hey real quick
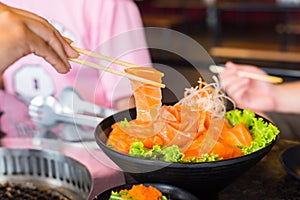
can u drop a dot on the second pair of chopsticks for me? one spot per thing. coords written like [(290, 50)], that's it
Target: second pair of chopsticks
[(262, 77), (114, 71)]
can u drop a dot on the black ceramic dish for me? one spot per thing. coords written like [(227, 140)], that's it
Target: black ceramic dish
[(202, 179), (290, 160), (171, 192)]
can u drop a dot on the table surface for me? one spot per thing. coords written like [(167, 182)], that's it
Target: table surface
[(257, 6), (267, 180)]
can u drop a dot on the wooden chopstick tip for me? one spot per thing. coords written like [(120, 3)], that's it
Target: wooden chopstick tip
[(246, 74), (114, 71)]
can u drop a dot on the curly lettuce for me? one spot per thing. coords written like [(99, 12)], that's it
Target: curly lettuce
[(237, 116), (167, 154), (204, 158), (262, 131)]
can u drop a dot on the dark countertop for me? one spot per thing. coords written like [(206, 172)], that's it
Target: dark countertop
[(257, 6), (267, 180)]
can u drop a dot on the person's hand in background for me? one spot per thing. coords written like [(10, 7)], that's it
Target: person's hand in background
[(23, 33), (248, 93)]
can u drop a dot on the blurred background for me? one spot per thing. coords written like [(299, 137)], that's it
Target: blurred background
[(259, 32)]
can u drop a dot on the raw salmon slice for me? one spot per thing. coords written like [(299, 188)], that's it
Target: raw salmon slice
[(147, 97)]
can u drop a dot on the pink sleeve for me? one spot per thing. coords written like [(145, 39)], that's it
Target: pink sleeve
[(112, 27), (118, 33)]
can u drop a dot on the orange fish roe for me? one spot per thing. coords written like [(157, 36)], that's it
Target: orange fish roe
[(142, 192)]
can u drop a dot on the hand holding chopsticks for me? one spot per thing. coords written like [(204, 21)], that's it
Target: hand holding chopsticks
[(262, 77), (107, 69)]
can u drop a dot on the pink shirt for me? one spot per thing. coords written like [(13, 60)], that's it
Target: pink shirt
[(110, 27)]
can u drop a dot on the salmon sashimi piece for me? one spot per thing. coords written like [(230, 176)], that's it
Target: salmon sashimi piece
[(222, 150), (168, 115), (194, 148), (141, 129), (167, 134), (121, 141), (165, 130), (204, 122), (147, 97), (212, 135), (182, 139), (171, 115), (227, 146), (148, 104), (225, 151), (239, 135)]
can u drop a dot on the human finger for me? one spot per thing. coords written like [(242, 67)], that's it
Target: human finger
[(235, 89), (32, 20), (229, 76), (40, 47), (243, 67), (49, 38), (53, 37)]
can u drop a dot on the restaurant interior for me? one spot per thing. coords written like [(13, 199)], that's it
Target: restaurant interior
[(74, 162), (263, 33)]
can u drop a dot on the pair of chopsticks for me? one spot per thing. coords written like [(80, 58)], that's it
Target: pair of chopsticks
[(114, 71), (261, 77)]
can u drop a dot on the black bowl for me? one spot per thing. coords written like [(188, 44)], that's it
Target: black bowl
[(290, 161), (204, 180), (172, 192)]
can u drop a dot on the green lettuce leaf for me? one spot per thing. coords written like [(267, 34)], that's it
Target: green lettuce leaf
[(262, 131), (205, 158), (237, 116), (168, 154)]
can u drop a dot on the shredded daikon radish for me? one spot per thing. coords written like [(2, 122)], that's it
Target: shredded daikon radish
[(208, 97)]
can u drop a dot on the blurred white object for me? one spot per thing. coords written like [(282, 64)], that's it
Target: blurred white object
[(47, 112), (71, 101), (209, 2), (288, 2), (72, 133)]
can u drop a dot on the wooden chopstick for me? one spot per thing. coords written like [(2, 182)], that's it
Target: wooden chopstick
[(120, 73), (103, 57), (262, 77), (113, 60)]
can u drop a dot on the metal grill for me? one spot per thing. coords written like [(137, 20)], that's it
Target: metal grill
[(46, 169)]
